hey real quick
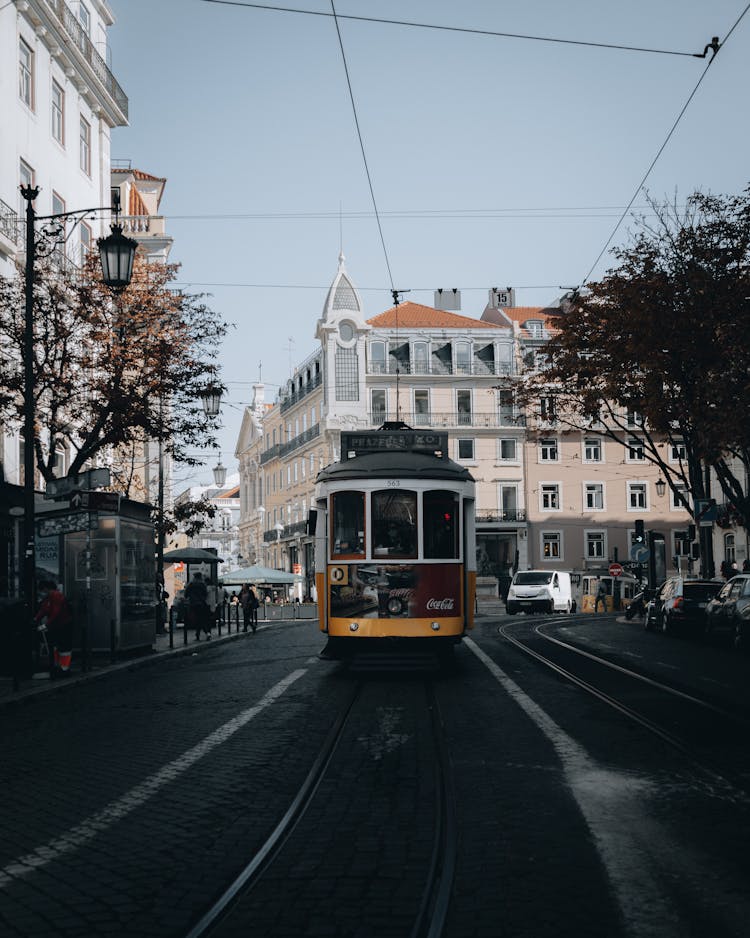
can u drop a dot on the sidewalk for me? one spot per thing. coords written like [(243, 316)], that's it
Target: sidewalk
[(102, 664)]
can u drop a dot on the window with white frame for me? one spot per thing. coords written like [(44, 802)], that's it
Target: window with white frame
[(84, 17), (26, 73), (377, 358), (595, 545), (548, 451), (508, 449), (506, 407), (85, 235), (637, 499), (378, 404), (547, 408), (677, 452), (634, 419), (593, 496), (535, 328), (509, 501), (463, 358), (680, 497), (551, 545), (463, 407), (635, 452), (84, 143), (312, 416), (549, 496), (57, 113), (421, 407), (421, 359), (592, 449), (465, 449)]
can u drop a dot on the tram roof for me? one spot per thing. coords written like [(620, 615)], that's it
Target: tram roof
[(399, 465)]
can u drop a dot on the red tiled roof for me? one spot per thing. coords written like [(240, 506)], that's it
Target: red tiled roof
[(415, 316), (136, 205), (231, 493)]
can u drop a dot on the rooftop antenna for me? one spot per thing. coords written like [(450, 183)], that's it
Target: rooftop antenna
[(260, 372), (289, 346), (396, 294)]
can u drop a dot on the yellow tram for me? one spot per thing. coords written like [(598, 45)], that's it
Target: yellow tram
[(395, 563)]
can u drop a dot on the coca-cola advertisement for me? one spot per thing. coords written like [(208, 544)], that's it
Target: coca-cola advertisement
[(396, 591)]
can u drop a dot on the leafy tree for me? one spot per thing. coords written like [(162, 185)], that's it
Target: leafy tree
[(664, 334), (110, 371)]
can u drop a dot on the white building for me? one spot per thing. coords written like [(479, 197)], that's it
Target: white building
[(59, 102)]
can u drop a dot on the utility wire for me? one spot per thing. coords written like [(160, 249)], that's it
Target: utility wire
[(715, 45), (362, 145), (314, 286), (455, 29)]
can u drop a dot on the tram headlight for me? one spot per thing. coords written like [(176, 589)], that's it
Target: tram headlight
[(435, 626), (353, 626)]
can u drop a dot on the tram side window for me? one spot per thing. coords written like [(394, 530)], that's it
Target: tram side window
[(440, 525), (394, 524), (348, 524)]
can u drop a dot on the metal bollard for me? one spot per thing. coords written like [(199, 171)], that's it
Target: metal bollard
[(172, 613), (112, 642)]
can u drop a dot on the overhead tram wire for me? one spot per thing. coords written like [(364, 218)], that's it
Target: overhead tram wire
[(716, 46), (454, 29)]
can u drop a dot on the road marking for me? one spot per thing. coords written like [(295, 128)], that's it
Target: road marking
[(611, 804), (117, 810)]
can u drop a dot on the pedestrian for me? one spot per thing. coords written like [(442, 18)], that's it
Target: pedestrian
[(198, 613), (726, 569), (55, 610), (249, 603), (601, 597), (746, 565)]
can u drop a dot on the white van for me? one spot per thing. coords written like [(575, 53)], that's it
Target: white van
[(540, 591)]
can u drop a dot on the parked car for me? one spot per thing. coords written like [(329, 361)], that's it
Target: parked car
[(680, 605), (729, 611)]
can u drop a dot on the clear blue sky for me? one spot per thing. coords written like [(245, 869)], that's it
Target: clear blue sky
[(494, 161)]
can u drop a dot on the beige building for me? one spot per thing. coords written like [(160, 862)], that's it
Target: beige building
[(544, 496)]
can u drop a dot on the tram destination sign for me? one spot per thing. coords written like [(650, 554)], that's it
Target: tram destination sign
[(67, 524), (395, 441)]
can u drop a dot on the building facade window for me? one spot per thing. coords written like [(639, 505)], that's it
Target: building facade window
[(679, 498), (509, 501), (549, 496), (465, 450), (508, 449), (86, 236), (26, 74), (347, 374), (377, 358), (595, 545), (592, 449), (463, 358), (593, 496), (378, 405), (421, 358), (506, 407), (677, 452), (634, 419), (84, 142), (421, 407), (637, 499), (463, 407), (547, 408), (635, 451), (729, 548), (84, 17), (548, 451), (551, 545), (58, 113)]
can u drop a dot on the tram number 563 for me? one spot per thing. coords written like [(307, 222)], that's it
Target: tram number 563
[(393, 483)]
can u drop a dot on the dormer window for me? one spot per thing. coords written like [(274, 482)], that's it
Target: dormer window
[(535, 328)]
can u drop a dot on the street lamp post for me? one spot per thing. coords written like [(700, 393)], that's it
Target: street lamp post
[(117, 253)]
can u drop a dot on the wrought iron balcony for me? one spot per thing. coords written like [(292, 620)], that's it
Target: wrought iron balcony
[(451, 420), (436, 367), (85, 47), (9, 223)]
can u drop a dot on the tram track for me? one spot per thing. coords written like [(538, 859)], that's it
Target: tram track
[(707, 734), (431, 898)]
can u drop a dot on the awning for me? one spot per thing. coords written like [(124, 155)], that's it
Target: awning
[(259, 576), (191, 555)]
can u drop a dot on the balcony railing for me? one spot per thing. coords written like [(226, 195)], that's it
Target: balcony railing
[(296, 396), (84, 45), (451, 420), (9, 223), (299, 440), (476, 368), (290, 530), (485, 516), (143, 224)]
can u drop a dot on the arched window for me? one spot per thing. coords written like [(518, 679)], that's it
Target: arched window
[(729, 548)]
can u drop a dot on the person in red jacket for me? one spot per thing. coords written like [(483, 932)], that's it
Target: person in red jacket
[(55, 608)]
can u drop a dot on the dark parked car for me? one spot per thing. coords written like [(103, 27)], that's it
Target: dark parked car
[(729, 611), (680, 604)]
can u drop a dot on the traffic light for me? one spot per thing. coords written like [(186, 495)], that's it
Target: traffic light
[(640, 533)]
